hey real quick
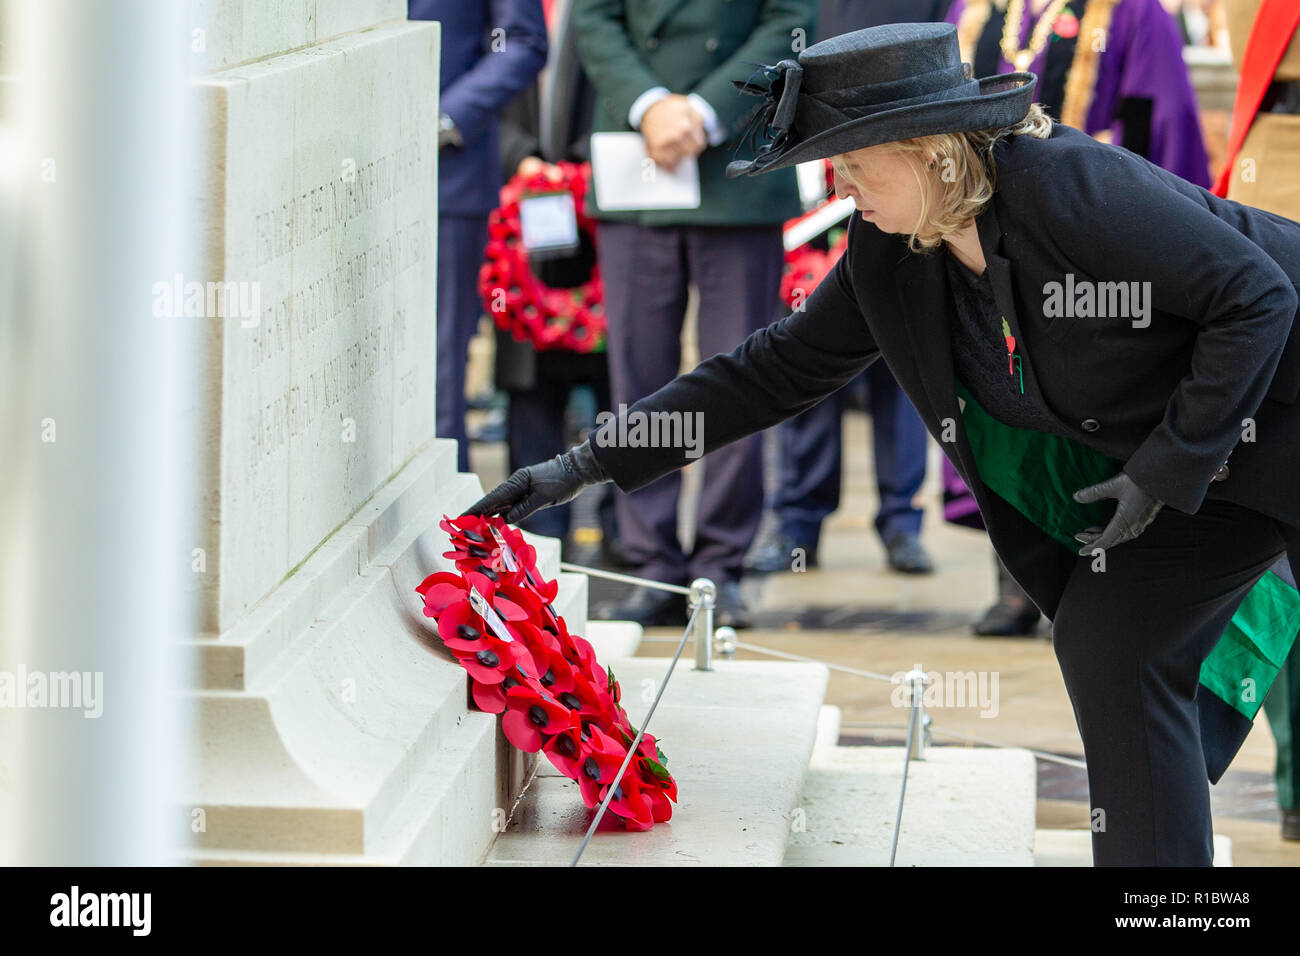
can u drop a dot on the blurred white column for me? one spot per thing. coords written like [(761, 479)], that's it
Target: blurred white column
[(98, 494)]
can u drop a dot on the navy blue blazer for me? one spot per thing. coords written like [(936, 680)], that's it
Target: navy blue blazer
[(476, 83)]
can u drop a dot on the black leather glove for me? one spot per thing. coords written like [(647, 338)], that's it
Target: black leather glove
[(542, 485), (1136, 510)]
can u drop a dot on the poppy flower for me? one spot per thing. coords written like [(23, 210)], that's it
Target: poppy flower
[(566, 750), (441, 589), (661, 808), (489, 698), (487, 656), (590, 700), (554, 671), (632, 801), (493, 663), (460, 628), (532, 579), (531, 713), (603, 757), (471, 540), (445, 588), (656, 777), (1066, 25)]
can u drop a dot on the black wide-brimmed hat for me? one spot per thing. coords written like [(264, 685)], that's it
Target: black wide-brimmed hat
[(874, 86)]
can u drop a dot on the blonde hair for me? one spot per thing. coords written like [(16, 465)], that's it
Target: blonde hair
[(966, 170)]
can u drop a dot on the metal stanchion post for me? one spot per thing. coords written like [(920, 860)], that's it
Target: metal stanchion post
[(703, 594), (920, 739), (725, 639)]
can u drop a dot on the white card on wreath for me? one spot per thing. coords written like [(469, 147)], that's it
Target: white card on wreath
[(548, 221), (626, 178)]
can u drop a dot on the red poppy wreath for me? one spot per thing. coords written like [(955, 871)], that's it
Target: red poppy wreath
[(805, 267), (518, 301), (494, 613)]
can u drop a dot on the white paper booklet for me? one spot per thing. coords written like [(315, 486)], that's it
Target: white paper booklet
[(626, 178)]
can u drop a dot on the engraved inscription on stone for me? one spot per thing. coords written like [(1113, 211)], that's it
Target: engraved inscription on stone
[(330, 191)]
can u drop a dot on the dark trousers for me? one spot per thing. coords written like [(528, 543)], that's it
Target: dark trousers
[(460, 253), (535, 424), (1130, 642), (812, 455), (646, 272)]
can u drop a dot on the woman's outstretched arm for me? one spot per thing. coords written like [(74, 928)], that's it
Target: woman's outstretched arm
[(776, 373)]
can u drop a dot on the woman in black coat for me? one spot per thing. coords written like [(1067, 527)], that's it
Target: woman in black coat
[(1106, 354)]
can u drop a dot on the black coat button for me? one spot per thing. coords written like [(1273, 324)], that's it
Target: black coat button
[(652, 43), (1090, 424), (1222, 473)]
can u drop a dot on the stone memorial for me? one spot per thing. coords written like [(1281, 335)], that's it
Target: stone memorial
[(330, 727)]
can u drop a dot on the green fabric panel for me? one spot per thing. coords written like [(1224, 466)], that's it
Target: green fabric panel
[(1255, 645), (1038, 473)]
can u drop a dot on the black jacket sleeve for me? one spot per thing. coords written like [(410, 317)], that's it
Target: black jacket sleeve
[(1120, 222), (776, 373)]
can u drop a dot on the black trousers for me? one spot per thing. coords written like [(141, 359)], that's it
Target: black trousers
[(647, 271), (1130, 641), (536, 427)]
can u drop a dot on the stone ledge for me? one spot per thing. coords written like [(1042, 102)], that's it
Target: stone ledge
[(964, 807), (738, 741), (613, 639)]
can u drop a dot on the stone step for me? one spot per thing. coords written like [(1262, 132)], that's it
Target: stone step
[(1074, 848), (738, 740), (964, 806), (613, 639)]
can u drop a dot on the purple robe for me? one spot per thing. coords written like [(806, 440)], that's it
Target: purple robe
[(1143, 59)]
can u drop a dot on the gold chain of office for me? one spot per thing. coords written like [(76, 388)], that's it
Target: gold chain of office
[(1011, 51)]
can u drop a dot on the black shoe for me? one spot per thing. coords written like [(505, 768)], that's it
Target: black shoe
[(1291, 824), (779, 553), (1008, 618), (907, 555), (647, 607), (729, 609)]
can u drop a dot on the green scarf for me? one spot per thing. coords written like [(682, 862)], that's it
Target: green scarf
[(1037, 473)]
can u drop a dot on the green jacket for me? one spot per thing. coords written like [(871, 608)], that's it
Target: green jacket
[(694, 46)]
